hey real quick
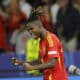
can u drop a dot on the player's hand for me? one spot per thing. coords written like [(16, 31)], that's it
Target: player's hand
[(15, 61), (27, 66)]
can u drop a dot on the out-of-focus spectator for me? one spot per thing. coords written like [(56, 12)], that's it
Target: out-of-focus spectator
[(23, 5), (25, 8), (76, 5), (15, 15), (14, 22), (15, 10), (32, 53), (5, 2), (19, 38), (3, 37), (69, 18), (55, 8), (59, 31)]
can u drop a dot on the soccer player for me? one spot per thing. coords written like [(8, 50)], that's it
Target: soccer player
[(51, 53)]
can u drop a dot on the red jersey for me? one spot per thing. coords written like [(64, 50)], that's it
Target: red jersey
[(50, 47), (3, 39), (14, 21)]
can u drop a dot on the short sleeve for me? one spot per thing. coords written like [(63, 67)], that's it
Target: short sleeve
[(52, 49)]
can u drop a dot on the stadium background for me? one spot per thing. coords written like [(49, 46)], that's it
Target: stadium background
[(10, 72)]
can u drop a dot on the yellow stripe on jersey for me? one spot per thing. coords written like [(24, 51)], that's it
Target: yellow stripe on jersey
[(42, 60), (32, 50), (50, 77), (59, 63), (61, 50), (50, 41)]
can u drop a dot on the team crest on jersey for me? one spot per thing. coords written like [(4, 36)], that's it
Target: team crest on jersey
[(50, 41)]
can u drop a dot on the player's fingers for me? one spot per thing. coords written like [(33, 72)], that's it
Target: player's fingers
[(15, 61), (13, 58)]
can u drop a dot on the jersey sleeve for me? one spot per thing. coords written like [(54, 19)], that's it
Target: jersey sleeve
[(53, 47)]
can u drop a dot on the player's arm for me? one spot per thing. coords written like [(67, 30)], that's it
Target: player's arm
[(49, 64), (37, 66), (18, 62), (35, 62)]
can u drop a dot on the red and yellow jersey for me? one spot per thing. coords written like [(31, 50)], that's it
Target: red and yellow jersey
[(50, 47)]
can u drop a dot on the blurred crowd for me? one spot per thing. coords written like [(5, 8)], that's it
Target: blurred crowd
[(61, 17)]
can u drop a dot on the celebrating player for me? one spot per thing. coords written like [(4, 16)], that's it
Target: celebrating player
[(50, 53)]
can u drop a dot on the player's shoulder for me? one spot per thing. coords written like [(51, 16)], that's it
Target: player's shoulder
[(52, 37)]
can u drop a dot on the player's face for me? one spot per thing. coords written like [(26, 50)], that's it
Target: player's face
[(34, 30)]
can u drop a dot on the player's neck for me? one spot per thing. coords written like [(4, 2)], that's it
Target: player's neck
[(43, 34)]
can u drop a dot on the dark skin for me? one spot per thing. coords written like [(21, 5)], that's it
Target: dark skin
[(36, 29)]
